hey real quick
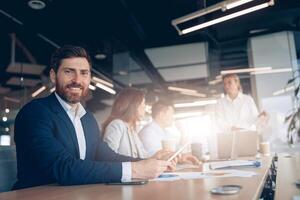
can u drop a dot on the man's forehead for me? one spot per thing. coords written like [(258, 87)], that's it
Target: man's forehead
[(74, 65), (229, 79)]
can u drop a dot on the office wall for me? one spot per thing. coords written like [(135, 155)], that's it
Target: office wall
[(277, 51), (180, 62), (134, 75), (274, 50)]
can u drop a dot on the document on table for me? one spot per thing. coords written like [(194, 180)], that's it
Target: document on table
[(186, 166), (234, 163), (172, 176)]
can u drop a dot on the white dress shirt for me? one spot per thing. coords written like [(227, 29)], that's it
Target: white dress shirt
[(152, 135), (122, 140), (75, 115), (240, 113)]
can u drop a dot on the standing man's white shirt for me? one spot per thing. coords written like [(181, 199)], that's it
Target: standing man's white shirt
[(151, 136), (240, 113), (75, 116)]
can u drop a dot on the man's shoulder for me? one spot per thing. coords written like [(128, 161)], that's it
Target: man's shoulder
[(117, 122), (34, 105), (147, 129), (246, 97)]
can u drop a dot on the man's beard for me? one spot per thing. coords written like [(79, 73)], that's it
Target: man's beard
[(68, 96)]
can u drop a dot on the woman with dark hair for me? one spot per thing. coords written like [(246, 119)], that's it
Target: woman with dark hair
[(120, 127)]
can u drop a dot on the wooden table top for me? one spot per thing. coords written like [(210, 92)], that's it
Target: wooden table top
[(180, 189)]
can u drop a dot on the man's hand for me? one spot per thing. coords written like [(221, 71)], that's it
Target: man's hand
[(165, 155), (150, 168), (162, 155), (188, 158), (263, 114)]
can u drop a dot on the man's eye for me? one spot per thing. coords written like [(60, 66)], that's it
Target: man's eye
[(85, 73)]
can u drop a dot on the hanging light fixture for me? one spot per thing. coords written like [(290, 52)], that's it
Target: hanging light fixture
[(225, 5)]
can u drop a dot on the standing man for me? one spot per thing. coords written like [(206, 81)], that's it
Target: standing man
[(58, 141), (236, 111)]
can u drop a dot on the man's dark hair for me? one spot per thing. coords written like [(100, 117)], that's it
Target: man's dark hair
[(68, 51), (160, 106)]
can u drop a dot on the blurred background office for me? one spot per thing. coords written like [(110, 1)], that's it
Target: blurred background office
[(136, 43)]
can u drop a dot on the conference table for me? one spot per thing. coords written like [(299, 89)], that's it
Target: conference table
[(288, 172), (179, 189)]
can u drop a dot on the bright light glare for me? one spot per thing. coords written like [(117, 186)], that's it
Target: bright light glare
[(199, 129), (4, 140)]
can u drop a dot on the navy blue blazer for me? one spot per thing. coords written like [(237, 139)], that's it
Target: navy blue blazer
[(48, 152)]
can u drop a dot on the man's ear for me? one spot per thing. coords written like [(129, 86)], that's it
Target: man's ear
[(52, 76)]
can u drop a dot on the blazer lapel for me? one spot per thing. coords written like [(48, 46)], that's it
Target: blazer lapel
[(63, 116), (88, 129)]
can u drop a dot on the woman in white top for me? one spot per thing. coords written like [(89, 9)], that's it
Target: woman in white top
[(120, 128), (236, 111)]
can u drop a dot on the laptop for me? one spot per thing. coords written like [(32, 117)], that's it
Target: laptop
[(237, 144)]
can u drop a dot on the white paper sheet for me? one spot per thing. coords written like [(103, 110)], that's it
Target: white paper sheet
[(186, 166), (208, 174)]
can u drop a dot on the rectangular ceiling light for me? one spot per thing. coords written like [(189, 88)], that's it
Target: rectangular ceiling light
[(103, 81), (178, 89), (225, 18), (197, 94), (285, 90), (281, 70), (245, 70), (91, 87), (52, 89), (225, 5), (104, 87), (214, 82), (236, 3), (38, 91), (195, 103)]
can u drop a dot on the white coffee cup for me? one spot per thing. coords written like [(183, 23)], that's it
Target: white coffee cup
[(197, 150), (169, 144), (264, 148)]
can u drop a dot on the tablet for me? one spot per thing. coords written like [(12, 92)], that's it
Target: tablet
[(178, 151)]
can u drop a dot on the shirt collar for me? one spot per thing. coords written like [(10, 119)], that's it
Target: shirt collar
[(239, 96), (80, 109)]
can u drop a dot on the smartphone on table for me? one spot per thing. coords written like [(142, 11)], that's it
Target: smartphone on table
[(133, 182)]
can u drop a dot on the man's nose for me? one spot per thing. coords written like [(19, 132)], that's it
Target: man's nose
[(77, 78)]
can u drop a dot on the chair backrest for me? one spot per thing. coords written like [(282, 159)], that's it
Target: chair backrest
[(8, 167)]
